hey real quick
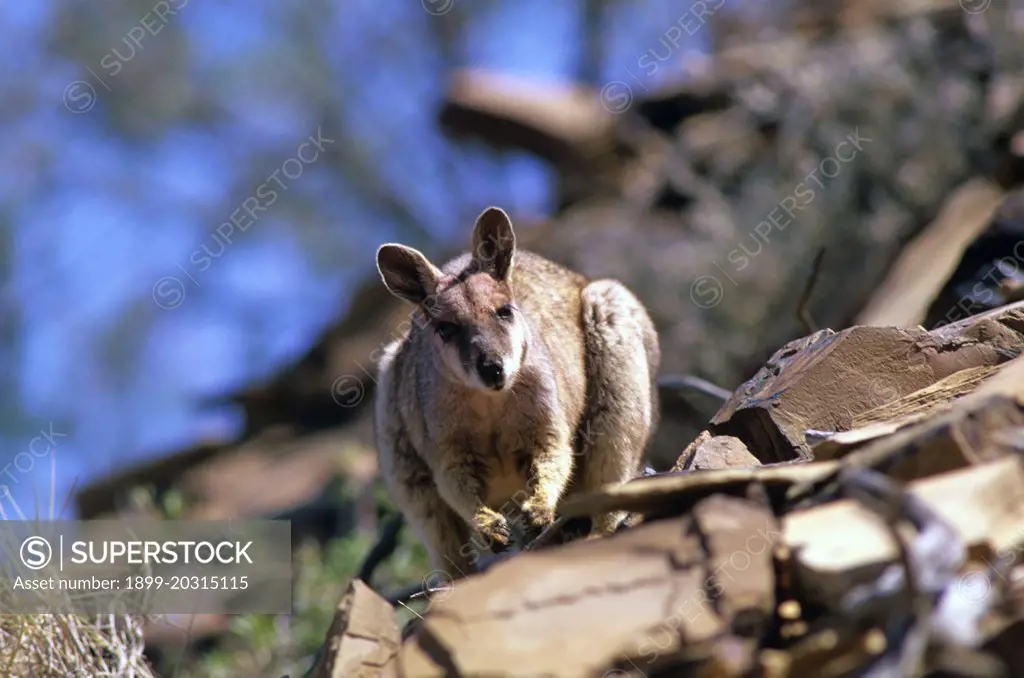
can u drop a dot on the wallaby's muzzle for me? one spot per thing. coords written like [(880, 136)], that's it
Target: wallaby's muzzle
[(492, 372)]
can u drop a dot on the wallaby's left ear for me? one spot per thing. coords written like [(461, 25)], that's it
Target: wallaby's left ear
[(407, 273), (494, 243)]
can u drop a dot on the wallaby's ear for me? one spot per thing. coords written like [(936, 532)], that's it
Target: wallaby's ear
[(406, 272), (494, 242)]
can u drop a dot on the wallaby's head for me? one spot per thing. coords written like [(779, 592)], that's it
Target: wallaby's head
[(476, 330)]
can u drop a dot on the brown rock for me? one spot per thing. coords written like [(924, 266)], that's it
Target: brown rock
[(616, 594), (708, 453), (740, 537), (825, 380), (640, 599), (917, 406), (363, 641), (673, 493), (831, 561), (981, 427), (926, 264)]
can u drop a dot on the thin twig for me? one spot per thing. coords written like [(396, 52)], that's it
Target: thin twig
[(689, 382), (802, 311), (405, 595), (546, 534)]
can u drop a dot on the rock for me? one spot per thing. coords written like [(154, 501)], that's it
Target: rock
[(990, 269), (363, 641), (715, 452), (673, 493), (926, 264), (785, 569), (635, 600), (824, 381), (830, 562)]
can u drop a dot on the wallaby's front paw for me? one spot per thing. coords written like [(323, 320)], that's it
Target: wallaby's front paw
[(538, 513), (492, 525)]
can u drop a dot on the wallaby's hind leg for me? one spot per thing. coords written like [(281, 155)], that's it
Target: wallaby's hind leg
[(444, 534), (623, 359)]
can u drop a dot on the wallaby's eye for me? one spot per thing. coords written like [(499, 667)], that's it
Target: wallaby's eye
[(447, 330), (505, 312)]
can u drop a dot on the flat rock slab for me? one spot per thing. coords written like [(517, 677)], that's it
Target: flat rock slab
[(826, 380), (635, 601)]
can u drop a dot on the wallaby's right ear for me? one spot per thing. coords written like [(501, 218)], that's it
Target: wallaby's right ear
[(407, 273), (494, 242)]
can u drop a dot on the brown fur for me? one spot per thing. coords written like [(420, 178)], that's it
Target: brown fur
[(503, 417)]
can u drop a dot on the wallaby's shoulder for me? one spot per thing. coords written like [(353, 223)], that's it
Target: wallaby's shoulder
[(535, 267)]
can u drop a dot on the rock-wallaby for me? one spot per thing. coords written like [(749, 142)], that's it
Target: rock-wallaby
[(518, 381)]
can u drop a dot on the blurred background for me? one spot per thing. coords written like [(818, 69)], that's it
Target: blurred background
[(191, 195)]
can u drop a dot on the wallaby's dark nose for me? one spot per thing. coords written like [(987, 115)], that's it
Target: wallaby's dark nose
[(491, 372)]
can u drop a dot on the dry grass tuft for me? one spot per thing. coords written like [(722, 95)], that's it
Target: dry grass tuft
[(72, 646)]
